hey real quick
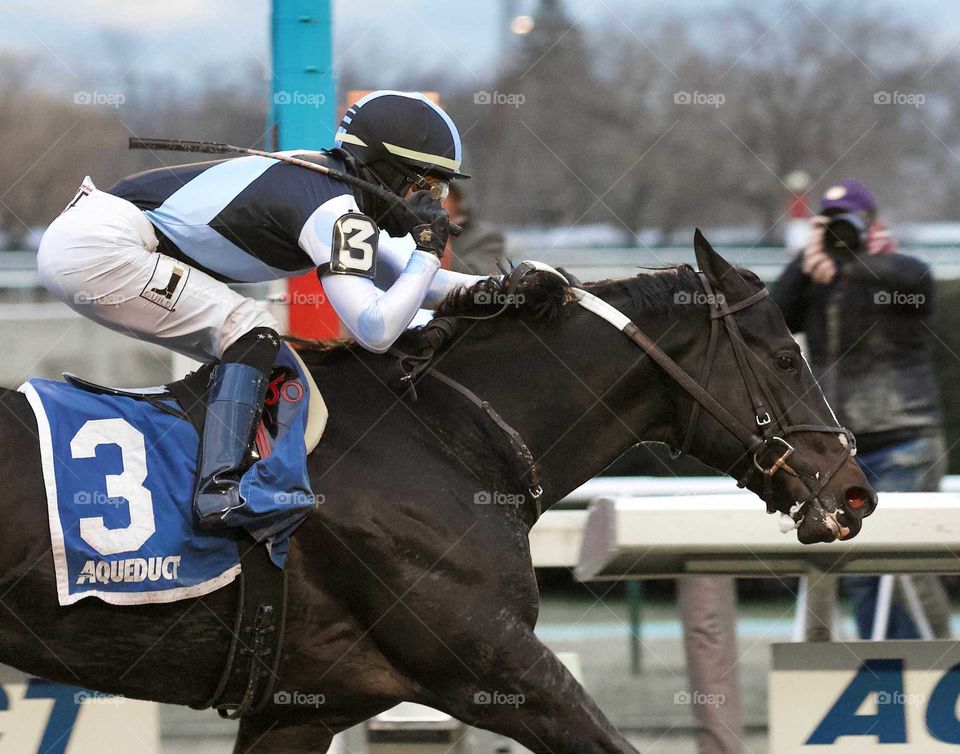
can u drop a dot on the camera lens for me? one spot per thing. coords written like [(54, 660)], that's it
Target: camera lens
[(844, 234)]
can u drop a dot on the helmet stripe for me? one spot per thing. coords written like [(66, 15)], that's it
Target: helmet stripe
[(433, 159)]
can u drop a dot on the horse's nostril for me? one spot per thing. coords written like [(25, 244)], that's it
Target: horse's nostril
[(858, 498)]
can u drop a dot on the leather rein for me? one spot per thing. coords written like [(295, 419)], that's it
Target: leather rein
[(771, 429)]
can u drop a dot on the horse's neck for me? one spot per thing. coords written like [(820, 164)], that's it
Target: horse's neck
[(582, 397)]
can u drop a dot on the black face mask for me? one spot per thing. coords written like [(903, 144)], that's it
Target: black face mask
[(388, 215)]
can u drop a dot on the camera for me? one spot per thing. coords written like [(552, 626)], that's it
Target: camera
[(845, 234)]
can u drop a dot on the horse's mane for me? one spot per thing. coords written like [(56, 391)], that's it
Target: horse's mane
[(541, 297)]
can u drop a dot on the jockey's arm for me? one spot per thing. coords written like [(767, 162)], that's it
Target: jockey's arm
[(377, 318), (394, 255), (408, 279)]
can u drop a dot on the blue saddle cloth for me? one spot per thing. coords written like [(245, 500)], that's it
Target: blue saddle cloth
[(120, 474)]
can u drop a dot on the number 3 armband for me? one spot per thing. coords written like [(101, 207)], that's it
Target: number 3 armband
[(354, 247)]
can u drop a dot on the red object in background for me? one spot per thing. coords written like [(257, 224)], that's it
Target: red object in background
[(798, 207), (310, 314)]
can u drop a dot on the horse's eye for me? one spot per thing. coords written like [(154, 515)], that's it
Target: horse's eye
[(786, 362)]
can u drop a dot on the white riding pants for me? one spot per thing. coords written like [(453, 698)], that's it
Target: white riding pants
[(100, 258)]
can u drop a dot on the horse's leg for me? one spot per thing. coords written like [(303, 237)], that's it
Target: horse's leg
[(277, 729), (526, 693), (265, 734)]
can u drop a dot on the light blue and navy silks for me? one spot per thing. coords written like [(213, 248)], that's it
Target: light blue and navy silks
[(119, 476)]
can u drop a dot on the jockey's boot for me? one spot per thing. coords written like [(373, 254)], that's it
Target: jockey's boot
[(233, 412)]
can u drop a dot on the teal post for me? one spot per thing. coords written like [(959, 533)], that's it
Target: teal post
[(303, 98), (303, 115)]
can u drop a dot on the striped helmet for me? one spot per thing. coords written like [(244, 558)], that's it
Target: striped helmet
[(399, 137)]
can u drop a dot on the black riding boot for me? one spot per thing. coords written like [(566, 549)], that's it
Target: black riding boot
[(233, 411)]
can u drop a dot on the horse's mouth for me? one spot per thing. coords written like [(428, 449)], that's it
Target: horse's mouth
[(820, 522)]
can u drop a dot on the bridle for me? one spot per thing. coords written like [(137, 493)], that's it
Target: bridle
[(771, 428)]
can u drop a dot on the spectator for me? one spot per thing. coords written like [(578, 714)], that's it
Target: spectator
[(864, 309), (477, 249)]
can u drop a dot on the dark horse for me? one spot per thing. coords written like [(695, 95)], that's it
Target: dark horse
[(402, 586)]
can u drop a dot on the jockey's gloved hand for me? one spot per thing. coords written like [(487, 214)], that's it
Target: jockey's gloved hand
[(434, 228)]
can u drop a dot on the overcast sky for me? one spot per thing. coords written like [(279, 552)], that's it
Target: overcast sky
[(187, 37)]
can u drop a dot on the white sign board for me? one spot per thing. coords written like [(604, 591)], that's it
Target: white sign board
[(37, 715), (895, 697)]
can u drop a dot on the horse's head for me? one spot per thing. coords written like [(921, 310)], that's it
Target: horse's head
[(747, 403), (779, 437)]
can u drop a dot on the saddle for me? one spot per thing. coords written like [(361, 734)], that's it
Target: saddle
[(187, 399), (246, 684)]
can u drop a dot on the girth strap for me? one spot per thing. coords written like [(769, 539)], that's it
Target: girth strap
[(247, 682)]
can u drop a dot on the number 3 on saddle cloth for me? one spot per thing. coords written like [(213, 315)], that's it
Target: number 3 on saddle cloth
[(119, 469)]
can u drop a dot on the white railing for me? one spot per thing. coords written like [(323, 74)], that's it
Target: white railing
[(707, 503)]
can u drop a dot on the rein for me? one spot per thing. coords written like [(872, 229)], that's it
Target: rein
[(771, 428)]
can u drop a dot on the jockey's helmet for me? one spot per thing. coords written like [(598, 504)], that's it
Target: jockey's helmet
[(401, 139)]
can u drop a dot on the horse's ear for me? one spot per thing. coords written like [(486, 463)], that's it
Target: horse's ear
[(710, 262)]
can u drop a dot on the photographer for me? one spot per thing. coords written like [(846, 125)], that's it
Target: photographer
[(476, 250), (864, 309)]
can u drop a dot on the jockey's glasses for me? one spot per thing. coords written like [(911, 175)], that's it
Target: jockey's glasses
[(439, 188)]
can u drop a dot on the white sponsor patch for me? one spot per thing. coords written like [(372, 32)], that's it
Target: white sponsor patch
[(167, 282)]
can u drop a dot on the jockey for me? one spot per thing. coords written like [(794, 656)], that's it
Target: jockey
[(152, 256)]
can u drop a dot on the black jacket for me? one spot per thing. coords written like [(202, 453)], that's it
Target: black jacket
[(477, 249), (869, 343)]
